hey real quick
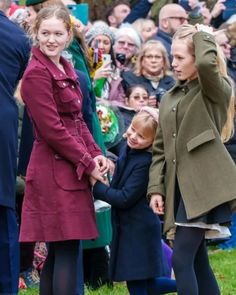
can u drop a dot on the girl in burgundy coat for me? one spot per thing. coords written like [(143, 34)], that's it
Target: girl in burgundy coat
[(58, 207)]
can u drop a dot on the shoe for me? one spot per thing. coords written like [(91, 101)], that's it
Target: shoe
[(31, 278)]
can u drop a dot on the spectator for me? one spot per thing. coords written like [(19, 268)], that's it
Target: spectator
[(171, 17), (137, 96), (106, 78), (117, 12), (127, 44), (146, 28), (151, 70), (15, 51)]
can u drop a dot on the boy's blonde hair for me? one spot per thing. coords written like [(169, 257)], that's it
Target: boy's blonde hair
[(146, 121)]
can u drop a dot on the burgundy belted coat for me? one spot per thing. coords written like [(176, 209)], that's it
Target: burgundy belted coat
[(57, 204)]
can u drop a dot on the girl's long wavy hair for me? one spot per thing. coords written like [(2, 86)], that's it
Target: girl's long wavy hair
[(186, 32)]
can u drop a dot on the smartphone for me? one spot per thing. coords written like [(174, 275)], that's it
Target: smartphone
[(80, 11), (106, 58)]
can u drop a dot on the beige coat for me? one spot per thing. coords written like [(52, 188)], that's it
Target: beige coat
[(188, 144)]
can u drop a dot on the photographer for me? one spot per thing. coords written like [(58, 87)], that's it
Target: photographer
[(126, 46), (151, 71)]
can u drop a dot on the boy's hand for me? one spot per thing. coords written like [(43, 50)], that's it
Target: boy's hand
[(157, 204)]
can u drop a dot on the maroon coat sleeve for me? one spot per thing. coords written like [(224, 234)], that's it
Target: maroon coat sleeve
[(37, 93)]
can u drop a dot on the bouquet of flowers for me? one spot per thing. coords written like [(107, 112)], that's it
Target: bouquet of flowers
[(109, 124)]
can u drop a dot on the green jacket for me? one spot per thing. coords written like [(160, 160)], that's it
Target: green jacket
[(188, 145), (80, 63)]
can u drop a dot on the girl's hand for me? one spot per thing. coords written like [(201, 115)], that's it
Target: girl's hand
[(96, 175), (102, 164), (157, 204), (204, 28), (92, 181)]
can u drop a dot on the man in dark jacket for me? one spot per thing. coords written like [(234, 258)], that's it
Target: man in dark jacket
[(170, 18), (14, 54)]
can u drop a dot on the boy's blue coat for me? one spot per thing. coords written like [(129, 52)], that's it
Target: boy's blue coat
[(136, 245)]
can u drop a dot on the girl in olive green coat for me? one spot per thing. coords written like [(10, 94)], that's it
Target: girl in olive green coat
[(191, 170)]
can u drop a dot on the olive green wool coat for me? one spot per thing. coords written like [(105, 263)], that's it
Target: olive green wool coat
[(188, 145)]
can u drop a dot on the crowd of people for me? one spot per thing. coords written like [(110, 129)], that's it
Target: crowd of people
[(135, 108)]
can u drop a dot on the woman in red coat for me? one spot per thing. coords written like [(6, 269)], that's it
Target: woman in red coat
[(58, 207)]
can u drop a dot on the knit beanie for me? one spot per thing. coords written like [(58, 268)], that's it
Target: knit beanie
[(99, 29), (33, 2), (128, 31)]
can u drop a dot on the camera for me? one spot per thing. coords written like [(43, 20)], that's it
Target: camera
[(121, 58)]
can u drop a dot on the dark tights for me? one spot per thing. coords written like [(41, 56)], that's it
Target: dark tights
[(193, 272), (59, 273)]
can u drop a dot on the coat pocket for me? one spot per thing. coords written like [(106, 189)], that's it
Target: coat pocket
[(200, 139), (65, 175), (65, 92)]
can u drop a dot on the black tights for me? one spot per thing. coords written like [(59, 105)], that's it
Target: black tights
[(59, 273), (193, 272)]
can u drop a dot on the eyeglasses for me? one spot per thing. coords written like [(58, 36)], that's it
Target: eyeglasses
[(180, 18), (155, 57), (138, 97), (123, 43)]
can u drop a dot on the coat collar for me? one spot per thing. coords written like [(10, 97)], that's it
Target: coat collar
[(52, 68), (167, 37), (184, 85)]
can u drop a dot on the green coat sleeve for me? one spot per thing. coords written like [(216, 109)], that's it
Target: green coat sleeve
[(157, 169), (214, 86)]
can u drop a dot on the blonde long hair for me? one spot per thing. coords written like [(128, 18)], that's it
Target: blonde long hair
[(186, 32)]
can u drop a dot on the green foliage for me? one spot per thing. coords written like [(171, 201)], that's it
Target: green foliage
[(222, 261)]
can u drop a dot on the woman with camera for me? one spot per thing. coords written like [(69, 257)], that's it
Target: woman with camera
[(151, 70), (105, 74)]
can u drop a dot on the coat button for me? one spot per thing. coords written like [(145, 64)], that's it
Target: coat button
[(72, 86), (173, 161), (173, 134), (78, 101), (64, 84), (174, 109)]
